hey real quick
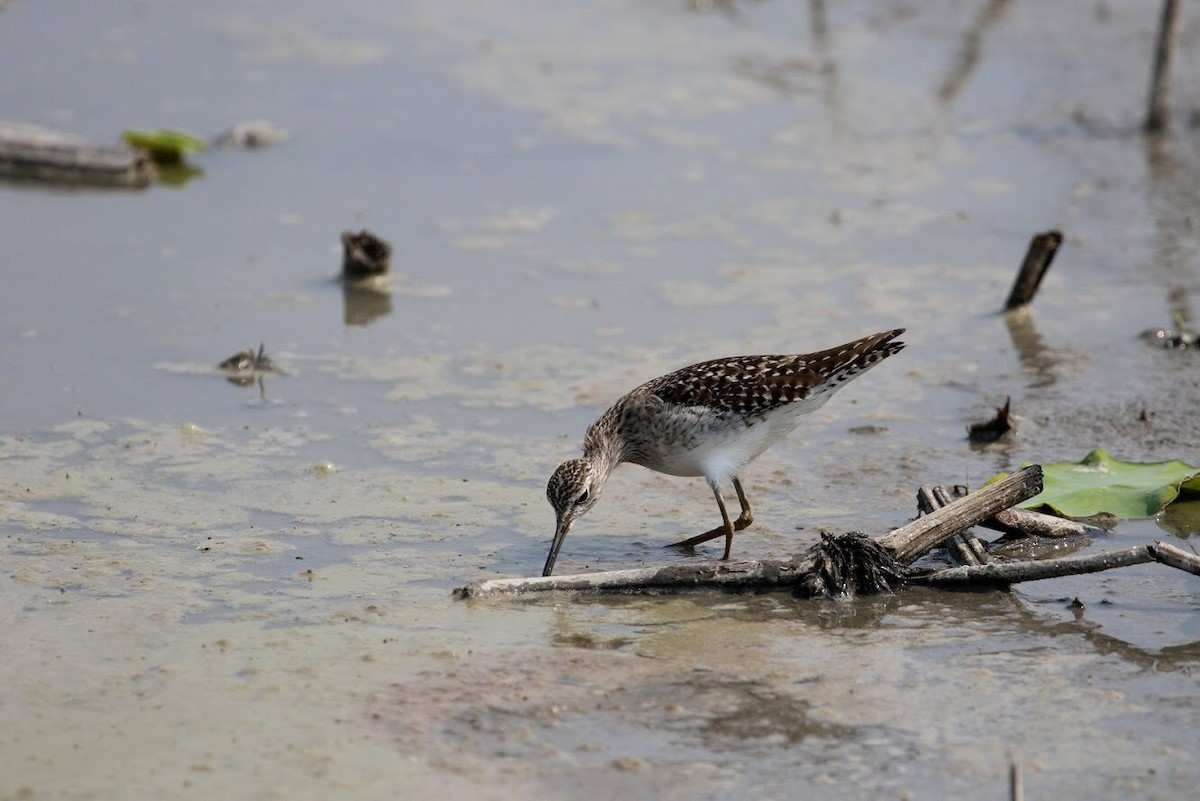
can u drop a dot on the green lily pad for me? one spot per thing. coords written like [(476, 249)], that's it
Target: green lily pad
[(164, 146), (1101, 484)]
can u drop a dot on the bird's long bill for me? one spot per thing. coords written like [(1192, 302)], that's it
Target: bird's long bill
[(560, 534)]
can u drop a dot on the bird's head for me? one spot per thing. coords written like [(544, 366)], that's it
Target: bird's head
[(573, 490)]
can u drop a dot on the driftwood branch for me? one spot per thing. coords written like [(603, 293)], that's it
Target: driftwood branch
[(807, 573), (1003, 573), (32, 153), (927, 532), (1037, 263), (728, 575)]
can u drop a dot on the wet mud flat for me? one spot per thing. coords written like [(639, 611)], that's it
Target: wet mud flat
[(211, 589)]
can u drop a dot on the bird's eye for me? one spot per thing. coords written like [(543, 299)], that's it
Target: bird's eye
[(582, 499)]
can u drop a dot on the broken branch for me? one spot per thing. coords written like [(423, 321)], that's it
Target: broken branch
[(927, 532), (1175, 557)]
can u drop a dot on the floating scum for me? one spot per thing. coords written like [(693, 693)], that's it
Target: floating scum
[(710, 419)]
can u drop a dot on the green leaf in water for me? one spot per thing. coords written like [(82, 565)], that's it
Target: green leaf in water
[(164, 146), (1102, 484)]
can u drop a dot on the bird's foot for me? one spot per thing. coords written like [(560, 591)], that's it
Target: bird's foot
[(720, 531)]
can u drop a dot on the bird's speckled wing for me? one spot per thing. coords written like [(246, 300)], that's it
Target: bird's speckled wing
[(750, 385)]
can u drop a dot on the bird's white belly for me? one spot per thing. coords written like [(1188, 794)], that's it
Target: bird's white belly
[(719, 447)]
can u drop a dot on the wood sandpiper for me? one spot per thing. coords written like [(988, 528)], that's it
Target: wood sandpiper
[(711, 420)]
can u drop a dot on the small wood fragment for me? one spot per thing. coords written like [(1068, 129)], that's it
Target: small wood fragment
[(364, 255), (1037, 263), (1016, 787)]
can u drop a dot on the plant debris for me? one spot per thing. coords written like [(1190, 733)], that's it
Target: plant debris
[(1171, 339), (364, 255), (993, 429), (253, 134), (851, 564), (247, 366), (164, 146)]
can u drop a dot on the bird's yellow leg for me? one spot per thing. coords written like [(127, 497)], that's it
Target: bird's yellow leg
[(727, 527)]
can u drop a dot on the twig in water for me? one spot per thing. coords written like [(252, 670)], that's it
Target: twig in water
[(1167, 43), (1005, 573), (1037, 263)]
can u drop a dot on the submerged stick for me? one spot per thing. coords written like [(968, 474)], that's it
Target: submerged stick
[(1037, 263), (1159, 110), (674, 577), (1027, 523), (1004, 573)]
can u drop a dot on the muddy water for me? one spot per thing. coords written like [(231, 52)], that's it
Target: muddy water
[(213, 590)]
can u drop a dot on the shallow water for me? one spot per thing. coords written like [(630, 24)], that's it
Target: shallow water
[(245, 591)]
